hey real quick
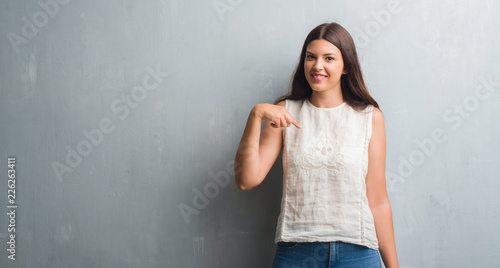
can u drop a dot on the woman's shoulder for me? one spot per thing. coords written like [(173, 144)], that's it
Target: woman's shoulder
[(374, 112), (282, 103), (288, 103), (377, 114)]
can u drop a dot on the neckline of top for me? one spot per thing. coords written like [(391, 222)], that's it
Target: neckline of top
[(324, 109)]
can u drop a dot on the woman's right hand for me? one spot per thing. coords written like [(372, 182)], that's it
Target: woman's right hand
[(276, 115)]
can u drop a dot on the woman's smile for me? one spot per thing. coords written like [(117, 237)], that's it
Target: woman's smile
[(318, 77)]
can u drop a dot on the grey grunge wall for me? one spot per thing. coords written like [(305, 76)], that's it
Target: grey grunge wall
[(120, 120)]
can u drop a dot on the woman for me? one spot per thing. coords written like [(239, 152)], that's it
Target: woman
[(334, 209)]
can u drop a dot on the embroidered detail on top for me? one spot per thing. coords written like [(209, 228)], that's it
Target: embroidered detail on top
[(323, 151)]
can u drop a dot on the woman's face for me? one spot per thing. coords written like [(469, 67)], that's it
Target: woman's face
[(323, 65)]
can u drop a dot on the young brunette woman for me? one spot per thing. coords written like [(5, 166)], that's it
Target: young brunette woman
[(335, 211)]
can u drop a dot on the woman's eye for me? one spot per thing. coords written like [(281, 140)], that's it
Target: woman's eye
[(309, 57), (329, 58)]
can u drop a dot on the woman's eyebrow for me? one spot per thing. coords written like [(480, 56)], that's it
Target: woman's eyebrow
[(323, 54)]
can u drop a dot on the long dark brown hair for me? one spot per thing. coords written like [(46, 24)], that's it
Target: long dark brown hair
[(353, 86)]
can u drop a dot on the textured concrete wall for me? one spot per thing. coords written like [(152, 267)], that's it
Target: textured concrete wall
[(124, 117)]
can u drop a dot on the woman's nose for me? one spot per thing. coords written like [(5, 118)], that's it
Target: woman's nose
[(318, 65)]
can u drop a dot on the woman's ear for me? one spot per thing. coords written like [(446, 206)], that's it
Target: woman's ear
[(344, 71)]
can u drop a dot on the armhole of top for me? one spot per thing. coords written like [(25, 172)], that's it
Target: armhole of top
[(369, 124), (283, 129)]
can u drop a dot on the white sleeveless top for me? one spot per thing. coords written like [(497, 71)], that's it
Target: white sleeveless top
[(325, 165)]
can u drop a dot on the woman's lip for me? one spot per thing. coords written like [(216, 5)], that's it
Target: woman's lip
[(318, 79)]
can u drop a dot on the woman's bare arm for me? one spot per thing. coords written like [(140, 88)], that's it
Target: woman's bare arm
[(377, 193), (258, 150)]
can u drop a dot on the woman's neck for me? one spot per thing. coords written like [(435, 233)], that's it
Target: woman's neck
[(326, 99)]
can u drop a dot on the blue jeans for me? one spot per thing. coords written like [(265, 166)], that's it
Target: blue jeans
[(325, 255)]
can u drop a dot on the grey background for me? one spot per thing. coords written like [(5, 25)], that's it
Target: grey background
[(119, 207)]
